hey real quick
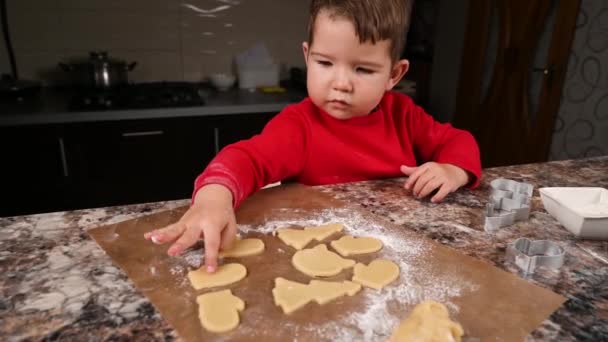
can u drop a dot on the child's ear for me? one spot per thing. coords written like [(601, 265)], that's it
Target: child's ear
[(305, 51), (399, 69)]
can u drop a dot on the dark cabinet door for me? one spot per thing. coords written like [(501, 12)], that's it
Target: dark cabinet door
[(138, 161), (35, 172), (232, 128)]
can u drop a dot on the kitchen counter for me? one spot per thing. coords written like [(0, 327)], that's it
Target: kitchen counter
[(51, 107), (57, 283)]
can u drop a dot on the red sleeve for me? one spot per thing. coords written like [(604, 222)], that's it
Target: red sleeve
[(277, 153), (442, 143)]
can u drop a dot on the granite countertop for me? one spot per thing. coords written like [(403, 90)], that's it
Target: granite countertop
[(57, 283), (51, 107)]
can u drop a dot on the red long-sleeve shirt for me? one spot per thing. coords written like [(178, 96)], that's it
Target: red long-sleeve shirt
[(306, 144)]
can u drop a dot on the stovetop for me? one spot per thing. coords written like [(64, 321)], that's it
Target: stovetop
[(139, 96)]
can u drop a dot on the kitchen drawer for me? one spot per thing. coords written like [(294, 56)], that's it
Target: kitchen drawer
[(138, 161)]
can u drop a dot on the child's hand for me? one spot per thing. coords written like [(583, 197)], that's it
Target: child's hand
[(430, 176), (211, 217)]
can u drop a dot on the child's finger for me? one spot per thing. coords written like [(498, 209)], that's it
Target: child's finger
[(166, 234), (431, 185), (228, 236), (212, 246), (413, 178), (440, 195), (422, 182), (188, 238)]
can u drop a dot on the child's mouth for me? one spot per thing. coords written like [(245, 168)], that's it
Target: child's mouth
[(338, 103)]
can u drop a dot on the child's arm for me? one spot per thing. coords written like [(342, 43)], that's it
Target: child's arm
[(235, 173), (449, 156), (211, 217)]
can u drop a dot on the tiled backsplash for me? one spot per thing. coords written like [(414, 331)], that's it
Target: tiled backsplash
[(170, 39)]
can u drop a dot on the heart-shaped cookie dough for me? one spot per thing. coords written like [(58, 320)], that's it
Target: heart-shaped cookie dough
[(377, 274), (224, 275), (350, 245), (319, 262)]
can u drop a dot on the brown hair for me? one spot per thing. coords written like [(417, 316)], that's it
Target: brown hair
[(374, 20)]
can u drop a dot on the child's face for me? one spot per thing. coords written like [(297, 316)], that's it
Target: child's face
[(346, 78)]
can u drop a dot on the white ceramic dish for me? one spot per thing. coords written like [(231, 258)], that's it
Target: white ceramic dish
[(583, 211), (222, 81)]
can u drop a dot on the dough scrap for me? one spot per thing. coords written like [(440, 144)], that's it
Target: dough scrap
[(429, 321), (377, 274), (350, 245), (219, 311), (319, 262), (299, 238), (243, 248), (291, 296), (224, 275)]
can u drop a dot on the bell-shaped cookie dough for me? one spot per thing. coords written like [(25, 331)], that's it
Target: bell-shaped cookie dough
[(243, 248), (377, 274), (299, 238), (219, 311), (319, 262), (290, 295), (429, 321), (350, 245), (224, 275)]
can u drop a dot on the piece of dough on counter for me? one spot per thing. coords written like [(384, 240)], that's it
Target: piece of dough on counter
[(219, 311), (299, 238), (224, 275), (428, 322), (319, 262), (291, 295), (377, 274), (243, 248), (350, 245)]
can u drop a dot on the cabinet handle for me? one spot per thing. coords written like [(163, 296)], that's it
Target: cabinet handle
[(142, 134), (64, 159), (216, 139)]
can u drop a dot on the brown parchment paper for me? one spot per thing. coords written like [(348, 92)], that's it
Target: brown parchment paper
[(501, 307)]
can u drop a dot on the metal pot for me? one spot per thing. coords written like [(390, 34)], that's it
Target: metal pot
[(99, 71)]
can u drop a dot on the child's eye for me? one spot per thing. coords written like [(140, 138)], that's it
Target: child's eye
[(324, 63), (364, 70)]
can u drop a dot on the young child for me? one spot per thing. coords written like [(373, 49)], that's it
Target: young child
[(350, 128)]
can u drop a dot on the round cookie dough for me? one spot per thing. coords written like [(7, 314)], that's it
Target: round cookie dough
[(350, 245), (243, 248), (319, 262), (224, 275), (377, 274), (429, 321), (219, 311)]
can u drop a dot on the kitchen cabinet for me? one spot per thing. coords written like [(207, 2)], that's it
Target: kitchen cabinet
[(93, 164), (35, 174)]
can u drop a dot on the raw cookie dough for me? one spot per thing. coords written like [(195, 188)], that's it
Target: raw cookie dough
[(290, 295), (350, 245), (242, 248), (429, 321), (219, 311), (377, 274), (224, 275), (298, 238), (319, 262)]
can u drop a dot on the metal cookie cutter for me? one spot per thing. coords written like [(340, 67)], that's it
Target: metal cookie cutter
[(512, 199), (530, 254)]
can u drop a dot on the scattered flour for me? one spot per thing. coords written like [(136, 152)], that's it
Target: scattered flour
[(417, 281)]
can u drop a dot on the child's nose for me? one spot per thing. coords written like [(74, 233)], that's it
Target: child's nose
[(342, 82)]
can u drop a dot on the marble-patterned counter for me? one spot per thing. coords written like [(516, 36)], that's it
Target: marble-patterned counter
[(57, 284)]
